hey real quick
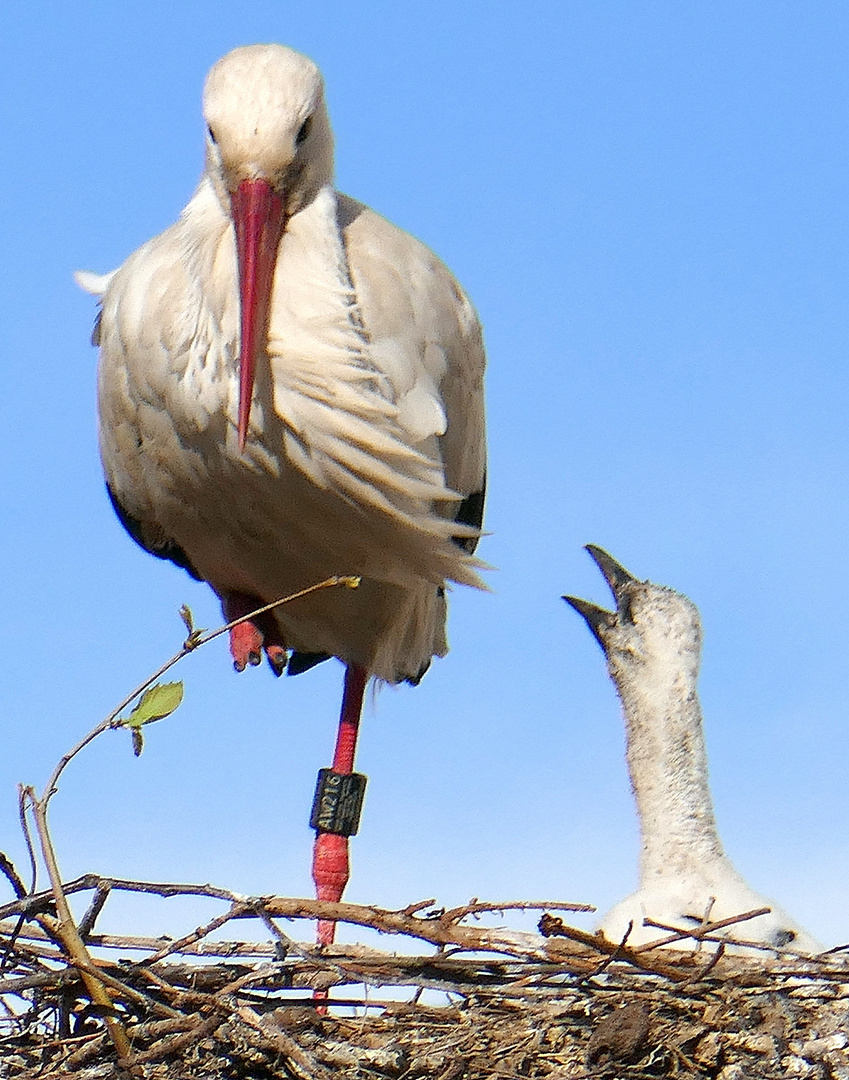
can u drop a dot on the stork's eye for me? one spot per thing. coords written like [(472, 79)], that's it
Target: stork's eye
[(211, 133), (303, 132)]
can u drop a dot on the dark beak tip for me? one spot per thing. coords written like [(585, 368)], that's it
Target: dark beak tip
[(598, 619), (614, 572)]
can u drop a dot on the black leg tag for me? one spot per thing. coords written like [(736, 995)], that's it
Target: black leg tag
[(338, 802)]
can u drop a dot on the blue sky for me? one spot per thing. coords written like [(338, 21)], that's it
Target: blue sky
[(648, 204)]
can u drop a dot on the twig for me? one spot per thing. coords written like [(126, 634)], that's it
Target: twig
[(173, 1044), (474, 908), (79, 1057), (151, 944), (34, 901), (7, 868), (200, 932), (193, 642), (711, 964), (347, 581), (55, 979), (601, 944), (285, 945), (19, 889), (413, 909), (71, 939), (63, 927), (304, 1063), (25, 829), (438, 933), (101, 895), (258, 975), (615, 955), (128, 992), (700, 932)]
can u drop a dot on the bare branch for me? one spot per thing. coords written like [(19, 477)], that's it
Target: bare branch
[(7, 868), (474, 907), (67, 930), (701, 932), (189, 645)]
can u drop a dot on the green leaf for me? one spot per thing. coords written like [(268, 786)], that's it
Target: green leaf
[(156, 703)]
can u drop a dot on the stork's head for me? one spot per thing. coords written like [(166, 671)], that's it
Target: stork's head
[(269, 151)]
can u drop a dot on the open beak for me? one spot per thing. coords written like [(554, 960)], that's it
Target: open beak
[(259, 219)]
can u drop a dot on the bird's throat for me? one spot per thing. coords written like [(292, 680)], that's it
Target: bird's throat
[(259, 219)]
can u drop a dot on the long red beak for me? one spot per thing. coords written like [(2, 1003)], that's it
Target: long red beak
[(259, 219)]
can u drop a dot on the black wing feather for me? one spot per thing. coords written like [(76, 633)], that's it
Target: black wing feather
[(165, 549), (470, 512)]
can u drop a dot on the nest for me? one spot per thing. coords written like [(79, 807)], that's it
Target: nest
[(560, 1003)]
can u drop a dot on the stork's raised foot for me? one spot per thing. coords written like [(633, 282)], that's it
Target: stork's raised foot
[(249, 639)]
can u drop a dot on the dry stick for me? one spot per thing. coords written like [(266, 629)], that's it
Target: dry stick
[(225, 1006), (411, 909), (52, 979), (22, 813), (19, 889), (150, 1029), (200, 932), (151, 944), (101, 895), (171, 1044), (608, 960), (302, 1062), (285, 942), (474, 907), (129, 992), (371, 967), (698, 932), (7, 868), (434, 930), (17, 883), (71, 939), (600, 944), (79, 1057), (24, 945), (260, 974), (179, 995), (711, 964), (437, 933), (33, 901)]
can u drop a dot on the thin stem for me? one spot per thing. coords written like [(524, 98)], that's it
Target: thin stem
[(189, 645), (474, 908), (347, 581), (70, 937), (22, 813)]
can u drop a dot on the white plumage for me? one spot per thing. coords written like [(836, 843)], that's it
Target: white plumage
[(363, 431), (652, 643)]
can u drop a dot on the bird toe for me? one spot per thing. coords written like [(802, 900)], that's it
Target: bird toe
[(277, 657), (246, 645)]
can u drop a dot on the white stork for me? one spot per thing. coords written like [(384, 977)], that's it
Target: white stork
[(652, 643), (290, 388)]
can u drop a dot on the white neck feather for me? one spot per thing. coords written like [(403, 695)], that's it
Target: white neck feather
[(655, 675)]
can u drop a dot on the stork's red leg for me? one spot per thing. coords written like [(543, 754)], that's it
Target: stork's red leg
[(330, 868), (251, 637)]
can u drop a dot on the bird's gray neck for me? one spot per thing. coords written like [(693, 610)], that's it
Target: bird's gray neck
[(667, 761)]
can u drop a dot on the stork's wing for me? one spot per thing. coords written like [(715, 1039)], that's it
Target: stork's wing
[(425, 337)]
